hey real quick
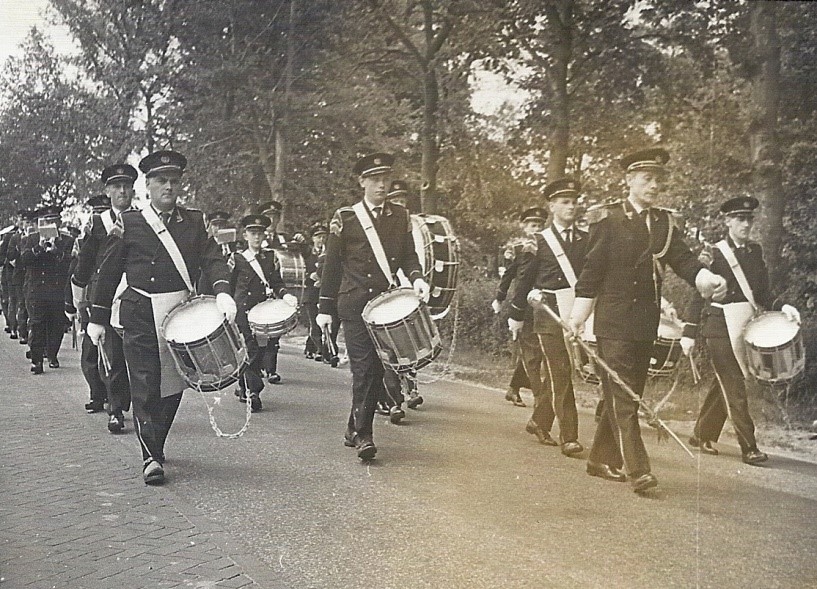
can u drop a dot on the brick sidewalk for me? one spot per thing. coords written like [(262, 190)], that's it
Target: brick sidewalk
[(74, 512)]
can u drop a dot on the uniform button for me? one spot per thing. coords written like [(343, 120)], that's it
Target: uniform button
[(368, 275), (634, 300), (153, 263), (152, 279), (370, 290)]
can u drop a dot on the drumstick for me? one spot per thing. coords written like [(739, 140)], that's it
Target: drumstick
[(327, 337), (106, 363)]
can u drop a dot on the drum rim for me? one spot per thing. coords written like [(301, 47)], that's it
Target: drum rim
[(390, 293), (187, 301)]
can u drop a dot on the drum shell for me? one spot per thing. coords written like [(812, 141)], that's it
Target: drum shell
[(292, 267), (213, 362), (443, 274), (262, 327), (773, 364), (405, 344), (666, 356)]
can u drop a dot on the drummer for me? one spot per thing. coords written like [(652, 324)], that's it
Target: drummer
[(256, 279), (352, 277), (740, 261), (160, 248), (273, 241)]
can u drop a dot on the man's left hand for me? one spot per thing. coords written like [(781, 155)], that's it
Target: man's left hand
[(290, 299), (226, 305), (791, 313), (422, 290)]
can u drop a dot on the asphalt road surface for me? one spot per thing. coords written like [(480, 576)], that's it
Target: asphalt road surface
[(460, 496)]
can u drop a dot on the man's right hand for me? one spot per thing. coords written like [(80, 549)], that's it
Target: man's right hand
[(324, 320), (496, 306), (96, 332)]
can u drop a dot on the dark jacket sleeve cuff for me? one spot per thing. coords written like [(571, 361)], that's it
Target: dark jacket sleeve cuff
[(221, 286), (517, 314), (328, 306), (100, 315), (690, 330)]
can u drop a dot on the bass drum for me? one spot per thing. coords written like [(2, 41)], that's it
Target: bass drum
[(293, 269), (440, 259)]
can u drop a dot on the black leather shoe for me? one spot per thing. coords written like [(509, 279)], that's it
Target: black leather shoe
[(309, 355), (396, 414), (644, 482), (274, 378), (13, 335), (95, 406), (415, 401), (704, 447), (54, 363), (605, 471), (116, 423), (572, 448), (755, 457), (28, 354), (153, 472), (318, 358), (7, 329), (541, 435), (349, 438), (381, 409), (366, 449), (37, 368), (512, 395), (23, 341), (334, 361), (255, 403)]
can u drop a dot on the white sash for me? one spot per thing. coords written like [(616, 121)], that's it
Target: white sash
[(255, 265), (737, 315), (107, 222), (374, 240), (170, 245), (729, 255), (564, 263)]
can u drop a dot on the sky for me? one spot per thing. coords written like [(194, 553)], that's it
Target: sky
[(17, 17)]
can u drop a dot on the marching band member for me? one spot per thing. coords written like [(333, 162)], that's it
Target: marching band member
[(740, 261), (531, 222), (159, 248), (46, 259), (367, 244), (256, 278), (9, 295), (630, 244), (118, 181), (17, 306), (550, 264), (273, 241), (312, 287)]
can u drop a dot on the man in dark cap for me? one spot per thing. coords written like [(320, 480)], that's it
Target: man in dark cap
[(256, 278), (531, 222), (548, 268), (17, 301), (630, 244), (46, 255), (9, 297), (313, 348), (272, 209), (159, 248), (367, 244), (112, 386), (740, 261)]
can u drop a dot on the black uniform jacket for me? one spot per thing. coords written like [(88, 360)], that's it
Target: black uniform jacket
[(311, 262), (249, 290), (513, 249), (618, 270), (750, 258), (351, 276), (86, 272), (46, 271), (135, 249), (538, 268), (13, 252)]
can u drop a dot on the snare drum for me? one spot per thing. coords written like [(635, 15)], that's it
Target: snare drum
[(774, 348), (272, 318), (209, 352), (292, 268), (402, 330), (444, 261), (666, 351)]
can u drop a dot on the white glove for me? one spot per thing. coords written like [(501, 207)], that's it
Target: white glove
[(710, 285), (422, 290), (791, 313), (687, 345), (496, 306), (582, 307), (226, 305), (324, 320), (290, 299), (96, 332), (515, 327), (535, 298), (79, 294)]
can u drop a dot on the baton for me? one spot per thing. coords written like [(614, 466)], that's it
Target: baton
[(74, 333), (652, 418)]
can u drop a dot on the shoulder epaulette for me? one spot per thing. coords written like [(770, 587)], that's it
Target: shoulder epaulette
[(336, 224), (599, 212), (529, 246)]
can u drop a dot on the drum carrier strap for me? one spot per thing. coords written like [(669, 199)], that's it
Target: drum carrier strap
[(107, 222), (729, 255), (374, 241), (549, 235), (167, 240)]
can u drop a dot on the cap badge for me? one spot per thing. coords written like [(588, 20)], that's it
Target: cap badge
[(571, 185), (377, 161), (165, 159), (747, 204), (120, 170)]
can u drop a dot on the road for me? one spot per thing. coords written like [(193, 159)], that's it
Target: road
[(459, 495)]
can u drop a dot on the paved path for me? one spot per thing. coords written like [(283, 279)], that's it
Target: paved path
[(459, 497)]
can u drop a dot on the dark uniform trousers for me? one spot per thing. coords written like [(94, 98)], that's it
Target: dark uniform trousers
[(89, 362), (519, 379), (152, 413), (117, 383), (46, 327), (270, 356), (251, 378), (367, 376), (539, 379), (20, 310)]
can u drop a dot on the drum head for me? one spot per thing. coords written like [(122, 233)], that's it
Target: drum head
[(770, 330), (193, 320), (270, 312), (391, 306)]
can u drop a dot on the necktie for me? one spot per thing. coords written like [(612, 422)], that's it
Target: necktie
[(376, 213), (567, 232), (645, 218), (165, 217)]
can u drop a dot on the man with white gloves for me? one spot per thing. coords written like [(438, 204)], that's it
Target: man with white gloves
[(368, 242), (630, 244), (158, 249), (740, 262)]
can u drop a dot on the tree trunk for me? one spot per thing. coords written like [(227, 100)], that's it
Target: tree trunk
[(765, 152), (430, 145), (282, 126), (560, 19)]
